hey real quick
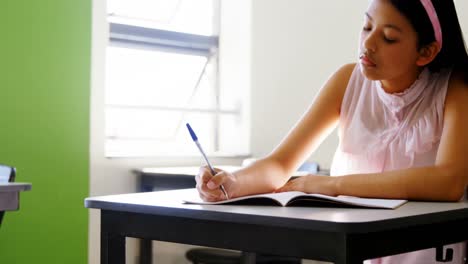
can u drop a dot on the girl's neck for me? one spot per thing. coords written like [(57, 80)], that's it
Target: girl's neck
[(401, 83)]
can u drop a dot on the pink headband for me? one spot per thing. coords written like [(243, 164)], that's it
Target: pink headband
[(431, 12)]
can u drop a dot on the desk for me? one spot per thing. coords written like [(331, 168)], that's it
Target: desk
[(9, 196), (339, 235), (166, 178), (171, 178)]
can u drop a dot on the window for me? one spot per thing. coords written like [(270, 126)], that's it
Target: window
[(162, 72)]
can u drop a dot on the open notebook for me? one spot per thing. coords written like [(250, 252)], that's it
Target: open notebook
[(303, 199)]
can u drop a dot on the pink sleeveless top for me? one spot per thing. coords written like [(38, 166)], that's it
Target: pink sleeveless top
[(380, 132)]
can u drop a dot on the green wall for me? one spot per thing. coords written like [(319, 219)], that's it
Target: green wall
[(45, 49)]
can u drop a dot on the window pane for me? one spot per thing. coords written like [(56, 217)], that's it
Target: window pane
[(142, 124), (173, 140), (195, 17), (150, 95), (153, 78)]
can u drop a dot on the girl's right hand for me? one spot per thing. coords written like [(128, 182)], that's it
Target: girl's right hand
[(208, 185)]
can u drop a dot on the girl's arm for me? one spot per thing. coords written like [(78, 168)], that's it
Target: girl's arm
[(273, 171), (445, 181)]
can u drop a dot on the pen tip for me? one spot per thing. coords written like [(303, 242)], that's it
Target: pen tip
[(192, 133)]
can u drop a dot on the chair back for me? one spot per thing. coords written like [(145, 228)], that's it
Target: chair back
[(7, 173)]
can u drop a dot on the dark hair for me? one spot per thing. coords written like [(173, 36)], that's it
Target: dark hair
[(453, 53)]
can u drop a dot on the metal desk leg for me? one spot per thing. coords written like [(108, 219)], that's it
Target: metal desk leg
[(112, 249), (146, 251), (350, 262), (1, 216), (248, 258), (346, 256)]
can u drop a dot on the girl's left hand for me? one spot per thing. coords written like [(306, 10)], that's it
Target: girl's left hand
[(311, 184)]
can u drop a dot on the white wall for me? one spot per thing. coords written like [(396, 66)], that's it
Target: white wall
[(296, 46), (284, 56), (462, 10)]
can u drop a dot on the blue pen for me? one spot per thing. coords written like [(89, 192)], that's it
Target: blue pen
[(195, 139)]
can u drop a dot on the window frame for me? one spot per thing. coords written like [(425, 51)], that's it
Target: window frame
[(162, 40), (152, 39)]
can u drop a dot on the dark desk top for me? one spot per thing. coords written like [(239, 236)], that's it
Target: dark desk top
[(14, 187), (9, 195), (344, 220)]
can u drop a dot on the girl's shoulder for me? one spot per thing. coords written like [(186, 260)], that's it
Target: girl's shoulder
[(346, 70), (343, 74), (458, 83), (338, 81), (457, 92), (459, 79)]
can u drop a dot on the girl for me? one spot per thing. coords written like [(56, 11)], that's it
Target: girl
[(401, 120)]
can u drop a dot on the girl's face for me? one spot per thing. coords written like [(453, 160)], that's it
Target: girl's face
[(388, 47)]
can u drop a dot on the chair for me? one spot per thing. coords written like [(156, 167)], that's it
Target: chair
[(7, 174), (220, 256)]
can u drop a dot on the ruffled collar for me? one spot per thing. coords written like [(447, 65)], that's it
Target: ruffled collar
[(397, 101)]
